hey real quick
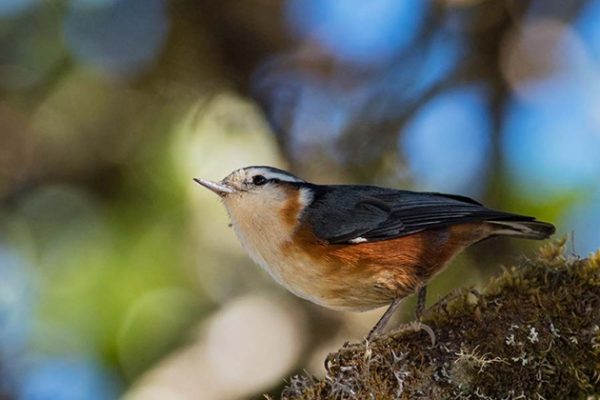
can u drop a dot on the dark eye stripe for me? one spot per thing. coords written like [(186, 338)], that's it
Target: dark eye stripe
[(259, 180)]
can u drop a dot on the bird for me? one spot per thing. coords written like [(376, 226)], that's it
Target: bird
[(356, 247)]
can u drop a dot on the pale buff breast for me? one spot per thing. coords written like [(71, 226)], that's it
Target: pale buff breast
[(344, 277), (267, 227)]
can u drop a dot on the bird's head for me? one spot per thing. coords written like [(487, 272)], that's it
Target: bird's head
[(256, 190)]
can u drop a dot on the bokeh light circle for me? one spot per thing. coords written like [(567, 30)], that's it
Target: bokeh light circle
[(367, 32), (447, 142), (120, 38)]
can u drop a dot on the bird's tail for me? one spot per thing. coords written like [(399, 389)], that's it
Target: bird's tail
[(524, 229)]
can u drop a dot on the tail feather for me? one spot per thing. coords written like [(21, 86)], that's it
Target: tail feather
[(524, 229)]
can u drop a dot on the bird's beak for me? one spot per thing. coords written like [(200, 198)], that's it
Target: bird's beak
[(217, 187)]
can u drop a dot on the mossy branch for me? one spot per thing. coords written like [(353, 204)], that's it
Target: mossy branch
[(532, 333)]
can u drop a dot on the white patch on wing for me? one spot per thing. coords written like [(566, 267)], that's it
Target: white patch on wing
[(358, 240)]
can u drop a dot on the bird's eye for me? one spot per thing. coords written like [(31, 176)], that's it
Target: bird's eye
[(259, 180)]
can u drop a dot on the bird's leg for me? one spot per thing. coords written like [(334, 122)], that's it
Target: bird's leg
[(421, 297), (385, 318), (411, 326), (418, 325)]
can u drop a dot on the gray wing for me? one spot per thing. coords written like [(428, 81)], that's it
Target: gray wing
[(354, 214)]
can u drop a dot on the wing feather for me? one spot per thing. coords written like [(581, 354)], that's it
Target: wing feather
[(345, 213)]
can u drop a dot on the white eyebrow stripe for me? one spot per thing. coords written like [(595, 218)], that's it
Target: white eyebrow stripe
[(276, 175)]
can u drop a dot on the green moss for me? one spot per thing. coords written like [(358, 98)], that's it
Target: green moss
[(533, 333)]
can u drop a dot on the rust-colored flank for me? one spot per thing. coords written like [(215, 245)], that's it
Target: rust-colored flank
[(360, 276)]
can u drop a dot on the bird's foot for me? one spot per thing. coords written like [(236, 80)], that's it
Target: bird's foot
[(413, 326), (416, 326), (442, 304), (347, 347)]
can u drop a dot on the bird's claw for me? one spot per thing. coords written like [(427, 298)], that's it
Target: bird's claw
[(416, 326)]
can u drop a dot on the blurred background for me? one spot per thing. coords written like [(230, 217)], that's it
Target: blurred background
[(119, 277)]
